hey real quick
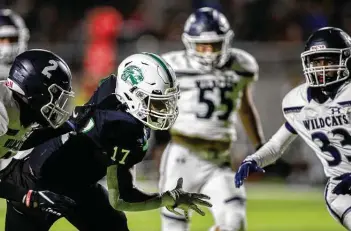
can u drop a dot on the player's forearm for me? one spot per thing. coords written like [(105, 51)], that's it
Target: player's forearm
[(124, 196), (252, 125), (274, 148), (154, 202), (12, 192), (250, 118)]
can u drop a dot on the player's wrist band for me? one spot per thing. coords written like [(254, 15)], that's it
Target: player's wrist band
[(28, 195)]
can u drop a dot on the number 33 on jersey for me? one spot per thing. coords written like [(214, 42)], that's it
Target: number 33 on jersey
[(325, 127)]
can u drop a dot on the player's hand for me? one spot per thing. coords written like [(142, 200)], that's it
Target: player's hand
[(344, 187), (81, 116), (48, 202), (246, 167), (177, 198)]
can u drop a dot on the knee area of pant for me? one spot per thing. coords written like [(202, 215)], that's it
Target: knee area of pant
[(231, 221), (240, 227), (347, 221), (173, 223)]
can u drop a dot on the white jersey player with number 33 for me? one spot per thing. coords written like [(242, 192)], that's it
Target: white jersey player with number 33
[(319, 112)]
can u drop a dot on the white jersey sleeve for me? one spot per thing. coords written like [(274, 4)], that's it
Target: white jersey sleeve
[(12, 132), (274, 148), (4, 119)]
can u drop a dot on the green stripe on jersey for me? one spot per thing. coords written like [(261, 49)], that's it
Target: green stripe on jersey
[(163, 65)]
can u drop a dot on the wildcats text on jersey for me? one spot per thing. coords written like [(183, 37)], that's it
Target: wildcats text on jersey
[(329, 121), (220, 83)]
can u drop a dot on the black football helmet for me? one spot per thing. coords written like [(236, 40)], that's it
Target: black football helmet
[(42, 80), (14, 36), (208, 26), (325, 60)]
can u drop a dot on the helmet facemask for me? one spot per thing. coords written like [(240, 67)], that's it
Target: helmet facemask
[(156, 110), (57, 111), (209, 49), (326, 66), (9, 49), (14, 36)]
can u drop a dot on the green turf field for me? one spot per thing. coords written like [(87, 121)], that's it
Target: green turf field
[(269, 209)]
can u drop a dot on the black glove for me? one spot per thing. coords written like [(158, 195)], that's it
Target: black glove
[(48, 202), (184, 201), (81, 116)]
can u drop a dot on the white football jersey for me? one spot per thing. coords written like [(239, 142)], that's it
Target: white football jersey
[(324, 127), (209, 99), (4, 71), (12, 134)]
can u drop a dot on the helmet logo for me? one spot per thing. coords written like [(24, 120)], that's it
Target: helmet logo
[(318, 47), (132, 75)]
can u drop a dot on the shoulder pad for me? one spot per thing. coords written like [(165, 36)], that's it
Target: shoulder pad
[(295, 100), (244, 62), (344, 97), (175, 58), (119, 128), (106, 87), (180, 63)]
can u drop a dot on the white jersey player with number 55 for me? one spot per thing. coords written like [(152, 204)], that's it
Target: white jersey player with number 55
[(215, 83), (319, 112)]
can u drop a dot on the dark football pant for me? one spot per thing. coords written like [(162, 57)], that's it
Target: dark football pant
[(92, 213)]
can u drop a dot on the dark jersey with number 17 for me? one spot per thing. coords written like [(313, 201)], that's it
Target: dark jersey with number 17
[(112, 136)]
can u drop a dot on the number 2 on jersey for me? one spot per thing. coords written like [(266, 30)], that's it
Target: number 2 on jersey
[(124, 155), (328, 147)]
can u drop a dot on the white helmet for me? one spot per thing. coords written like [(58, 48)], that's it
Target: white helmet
[(13, 28), (147, 85)]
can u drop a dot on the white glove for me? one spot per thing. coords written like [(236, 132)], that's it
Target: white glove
[(177, 198)]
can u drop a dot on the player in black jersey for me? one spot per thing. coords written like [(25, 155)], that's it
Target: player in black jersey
[(36, 94), (143, 95)]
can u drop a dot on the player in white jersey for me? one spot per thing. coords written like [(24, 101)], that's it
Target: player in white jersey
[(215, 83), (14, 36), (319, 112)]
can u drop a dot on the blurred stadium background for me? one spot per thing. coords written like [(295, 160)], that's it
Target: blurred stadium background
[(94, 35)]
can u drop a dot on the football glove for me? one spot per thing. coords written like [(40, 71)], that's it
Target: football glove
[(246, 167), (81, 116), (344, 187), (48, 202), (184, 201)]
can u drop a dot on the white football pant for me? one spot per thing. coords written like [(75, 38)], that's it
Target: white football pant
[(201, 176)]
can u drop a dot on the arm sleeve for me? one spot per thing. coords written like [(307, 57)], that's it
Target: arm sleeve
[(274, 148), (124, 196), (40, 135), (4, 120)]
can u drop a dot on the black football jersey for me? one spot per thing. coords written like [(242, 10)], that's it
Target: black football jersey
[(112, 136)]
